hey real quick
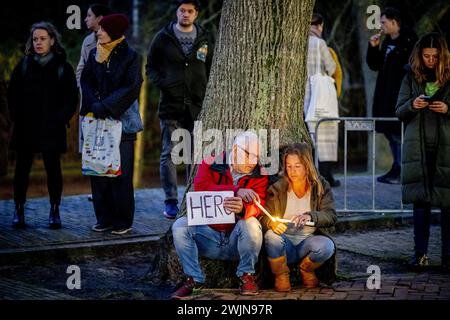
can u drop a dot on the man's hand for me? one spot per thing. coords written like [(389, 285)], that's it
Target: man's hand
[(233, 204), (375, 39), (248, 195), (438, 106), (419, 102), (278, 227), (299, 221)]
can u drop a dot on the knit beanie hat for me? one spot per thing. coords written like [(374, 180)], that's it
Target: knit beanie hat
[(115, 25)]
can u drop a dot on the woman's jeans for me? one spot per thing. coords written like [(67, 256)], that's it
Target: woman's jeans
[(243, 244), (319, 248)]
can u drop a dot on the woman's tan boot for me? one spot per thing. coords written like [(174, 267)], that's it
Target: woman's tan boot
[(307, 268), (281, 271)]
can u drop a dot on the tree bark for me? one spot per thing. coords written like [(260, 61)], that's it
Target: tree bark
[(257, 81)]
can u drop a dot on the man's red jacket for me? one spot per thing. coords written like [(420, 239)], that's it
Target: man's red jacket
[(217, 177)]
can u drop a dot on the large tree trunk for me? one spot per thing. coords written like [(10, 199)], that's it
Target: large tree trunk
[(257, 81)]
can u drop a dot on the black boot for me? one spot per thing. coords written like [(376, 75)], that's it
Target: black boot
[(54, 220), (392, 176), (19, 217)]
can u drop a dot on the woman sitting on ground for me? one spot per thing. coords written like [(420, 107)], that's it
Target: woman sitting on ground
[(302, 197)]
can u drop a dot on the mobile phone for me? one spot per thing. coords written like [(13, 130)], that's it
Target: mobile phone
[(426, 98)]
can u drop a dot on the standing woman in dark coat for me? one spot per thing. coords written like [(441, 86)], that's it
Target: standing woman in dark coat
[(110, 83), (42, 98), (423, 105)]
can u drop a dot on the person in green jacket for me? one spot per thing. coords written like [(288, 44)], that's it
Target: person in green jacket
[(423, 106), (305, 199)]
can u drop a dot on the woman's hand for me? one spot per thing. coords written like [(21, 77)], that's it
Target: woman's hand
[(278, 227), (233, 204), (439, 106), (419, 102), (299, 221), (99, 111)]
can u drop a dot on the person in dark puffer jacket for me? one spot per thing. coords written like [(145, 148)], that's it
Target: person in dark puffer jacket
[(423, 106)]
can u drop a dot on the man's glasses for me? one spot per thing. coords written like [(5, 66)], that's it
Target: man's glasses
[(253, 158)]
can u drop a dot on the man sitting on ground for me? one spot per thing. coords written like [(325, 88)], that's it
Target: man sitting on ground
[(240, 172)]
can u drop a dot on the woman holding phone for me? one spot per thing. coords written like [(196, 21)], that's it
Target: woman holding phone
[(300, 196), (423, 106)]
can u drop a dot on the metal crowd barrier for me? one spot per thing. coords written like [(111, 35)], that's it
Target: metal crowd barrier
[(359, 124)]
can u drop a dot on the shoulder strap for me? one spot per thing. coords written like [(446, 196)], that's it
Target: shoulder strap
[(60, 71), (24, 65)]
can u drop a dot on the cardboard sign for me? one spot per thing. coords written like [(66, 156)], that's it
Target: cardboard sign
[(206, 207)]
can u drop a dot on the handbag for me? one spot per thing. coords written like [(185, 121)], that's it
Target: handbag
[(323, 102), (101, 146)]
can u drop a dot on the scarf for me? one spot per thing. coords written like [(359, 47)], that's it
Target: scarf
[(314, 33), (43, 60), (105, 49)]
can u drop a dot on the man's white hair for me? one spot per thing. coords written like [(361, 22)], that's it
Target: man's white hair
[(245, 139)]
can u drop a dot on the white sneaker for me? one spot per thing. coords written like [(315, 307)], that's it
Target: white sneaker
[(121, 231)]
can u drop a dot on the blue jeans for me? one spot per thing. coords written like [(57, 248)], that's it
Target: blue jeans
[(167, 169), (395, 143), (191, 242), (319, 248)]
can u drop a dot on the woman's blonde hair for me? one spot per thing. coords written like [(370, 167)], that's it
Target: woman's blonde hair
[(431, 40), (304, 153)]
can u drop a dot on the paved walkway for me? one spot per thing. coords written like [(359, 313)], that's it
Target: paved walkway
[(388, 249), (17, 290), (123, 277), (78, 216)]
